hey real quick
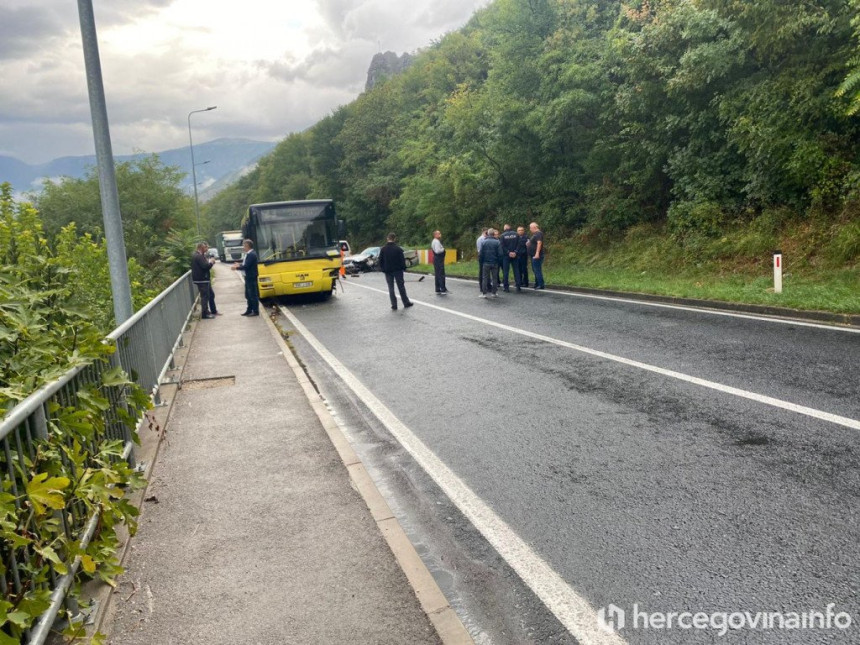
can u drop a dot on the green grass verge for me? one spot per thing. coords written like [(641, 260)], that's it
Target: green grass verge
[(735, 268)]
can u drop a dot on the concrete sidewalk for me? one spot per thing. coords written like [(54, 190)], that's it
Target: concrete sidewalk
[(254, 531)]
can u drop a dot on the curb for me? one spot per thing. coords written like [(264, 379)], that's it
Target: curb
[(852, 320), (444, 619)]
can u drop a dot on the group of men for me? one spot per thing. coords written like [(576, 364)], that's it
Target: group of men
[(510, 251), (201, 267), (498, 255)]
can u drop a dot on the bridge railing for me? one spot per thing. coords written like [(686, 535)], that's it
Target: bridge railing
[(145, 347)]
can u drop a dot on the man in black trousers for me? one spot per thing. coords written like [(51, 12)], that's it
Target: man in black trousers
[(393, 263), (510, 241), (249, 266), (439, 262), (200, 268), (522, 266)]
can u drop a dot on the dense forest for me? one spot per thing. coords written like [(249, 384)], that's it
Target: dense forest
[(595, 118)]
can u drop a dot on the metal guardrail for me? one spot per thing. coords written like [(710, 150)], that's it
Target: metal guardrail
[(145, 346)]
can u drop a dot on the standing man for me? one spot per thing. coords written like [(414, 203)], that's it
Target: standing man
[(490, 258), (439, 262), (201, 265), (249, 266), (537, 251), (393, 263), (479, 243), (509, 240), (522, 267)]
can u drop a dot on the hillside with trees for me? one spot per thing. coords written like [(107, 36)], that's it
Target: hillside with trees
[(680, 121)]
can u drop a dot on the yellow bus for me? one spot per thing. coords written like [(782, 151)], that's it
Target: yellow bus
[(297, 246)]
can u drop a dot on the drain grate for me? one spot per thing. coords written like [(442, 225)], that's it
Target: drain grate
[(209, 383)]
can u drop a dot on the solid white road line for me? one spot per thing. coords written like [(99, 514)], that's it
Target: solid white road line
[(701, 310), (571, 609), (760, 398)]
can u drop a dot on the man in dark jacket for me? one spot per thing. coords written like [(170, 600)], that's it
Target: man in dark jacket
[(490, 259), (249, 266), (392, 263), (509, 240), (522, 267), (200, 268)]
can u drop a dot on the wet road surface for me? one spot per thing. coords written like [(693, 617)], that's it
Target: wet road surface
[(671, 459)]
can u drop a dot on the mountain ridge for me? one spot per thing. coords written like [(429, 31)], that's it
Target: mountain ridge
[(216, 161)]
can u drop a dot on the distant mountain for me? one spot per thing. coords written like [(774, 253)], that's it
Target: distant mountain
[(218, 162)]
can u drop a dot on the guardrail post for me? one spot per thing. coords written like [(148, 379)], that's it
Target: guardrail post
[(40, 423)]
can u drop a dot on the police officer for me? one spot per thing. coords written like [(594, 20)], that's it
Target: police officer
[(510, 241)]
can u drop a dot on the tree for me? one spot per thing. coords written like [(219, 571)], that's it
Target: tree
[(152, 203)]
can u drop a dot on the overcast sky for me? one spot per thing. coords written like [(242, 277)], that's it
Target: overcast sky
[(271, 67)]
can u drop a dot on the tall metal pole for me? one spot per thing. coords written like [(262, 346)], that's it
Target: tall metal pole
[(120, 287), (193, 168)]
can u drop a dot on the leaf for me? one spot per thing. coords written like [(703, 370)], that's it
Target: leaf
[(114, 377), (88, 563), (17, 541), (98, 639), (46, 492), (49, 554), (5, 639), (19, 618)]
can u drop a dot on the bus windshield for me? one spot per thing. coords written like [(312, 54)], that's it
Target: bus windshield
[(292, 231)]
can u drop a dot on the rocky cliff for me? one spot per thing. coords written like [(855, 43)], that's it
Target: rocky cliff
[(384, 66)]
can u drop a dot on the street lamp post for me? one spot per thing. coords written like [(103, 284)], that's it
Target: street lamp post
[(193, 168)]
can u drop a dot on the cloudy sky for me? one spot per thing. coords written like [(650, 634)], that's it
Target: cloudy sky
[(271, 67)]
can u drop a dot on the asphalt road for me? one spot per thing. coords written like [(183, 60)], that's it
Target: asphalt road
[(654, 458)]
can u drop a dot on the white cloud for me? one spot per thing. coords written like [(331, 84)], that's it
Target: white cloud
[(271, 68)]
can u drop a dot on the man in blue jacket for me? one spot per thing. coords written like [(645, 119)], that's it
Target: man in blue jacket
[(249, 266), (490, 258)]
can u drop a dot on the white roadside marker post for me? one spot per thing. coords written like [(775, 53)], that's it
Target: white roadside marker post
[(777, 271)]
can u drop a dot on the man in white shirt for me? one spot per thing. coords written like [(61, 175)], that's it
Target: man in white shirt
[(439, 262), (479, 243)]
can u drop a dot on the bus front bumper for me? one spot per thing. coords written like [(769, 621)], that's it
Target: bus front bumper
[(290, 283)]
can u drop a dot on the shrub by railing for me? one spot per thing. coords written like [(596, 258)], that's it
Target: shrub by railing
[(65, 459)]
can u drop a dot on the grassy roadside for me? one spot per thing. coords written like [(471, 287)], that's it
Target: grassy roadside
[(736, 268)]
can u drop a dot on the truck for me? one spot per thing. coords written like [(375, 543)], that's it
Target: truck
[(229, 246)]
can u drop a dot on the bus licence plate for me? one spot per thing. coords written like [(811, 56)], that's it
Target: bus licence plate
[(302, 285)]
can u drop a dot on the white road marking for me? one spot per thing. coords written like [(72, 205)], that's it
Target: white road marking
[(571, 609), (760, 398), (701, 310)]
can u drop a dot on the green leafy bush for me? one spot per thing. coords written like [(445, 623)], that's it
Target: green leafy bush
[(701, 218), (54, 312)]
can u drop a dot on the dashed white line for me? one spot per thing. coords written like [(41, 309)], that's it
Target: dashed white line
[(727, 389), (571, 609)]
